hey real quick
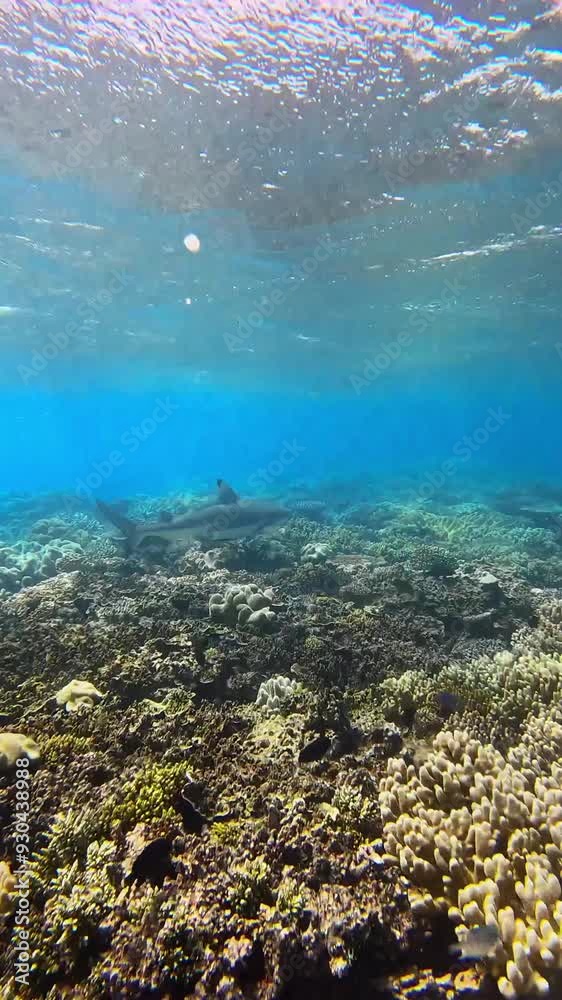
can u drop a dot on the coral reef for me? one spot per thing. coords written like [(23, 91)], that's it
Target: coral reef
[(78, 695), (244, 605), (15, 745), (7, 887), (225, 843), (479, 835), (212, 805), (275, 692)]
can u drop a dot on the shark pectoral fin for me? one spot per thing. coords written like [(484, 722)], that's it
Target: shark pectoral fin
[(225, 493)]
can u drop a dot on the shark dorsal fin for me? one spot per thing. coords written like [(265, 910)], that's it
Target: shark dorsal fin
[(226, 493)]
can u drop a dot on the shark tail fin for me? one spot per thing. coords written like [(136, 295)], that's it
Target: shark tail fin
[(115, 517)]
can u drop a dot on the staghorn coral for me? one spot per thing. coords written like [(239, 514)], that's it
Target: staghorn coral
[(72, 830), (479, 835), (64, 747), (226, 833)]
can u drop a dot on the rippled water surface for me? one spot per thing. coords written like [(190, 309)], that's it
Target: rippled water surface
[(283, 198)]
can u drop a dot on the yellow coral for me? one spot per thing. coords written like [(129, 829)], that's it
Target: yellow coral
[(150, 795), (7, 887), (226, 833), (501, 689), (479, 835), (14, 746), (65, 746), (77, 695)]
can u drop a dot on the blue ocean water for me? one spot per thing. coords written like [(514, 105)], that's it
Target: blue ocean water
[(377, 361), (309, 252), (65, 439)]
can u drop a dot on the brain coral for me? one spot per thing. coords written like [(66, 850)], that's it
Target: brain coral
[(479, 835)]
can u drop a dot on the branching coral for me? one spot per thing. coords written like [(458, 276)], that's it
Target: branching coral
[(250, 887), (546, 637), (149, 795), (500, 689), (274, 692), (408, 696), (70, 834), (81, 898), (433, 560), (63, 747), (479, 835)]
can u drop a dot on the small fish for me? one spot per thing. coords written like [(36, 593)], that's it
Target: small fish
[(448, 703), (228, 518), (477, 944)]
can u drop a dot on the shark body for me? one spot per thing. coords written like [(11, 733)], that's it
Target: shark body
[(228, 519)]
